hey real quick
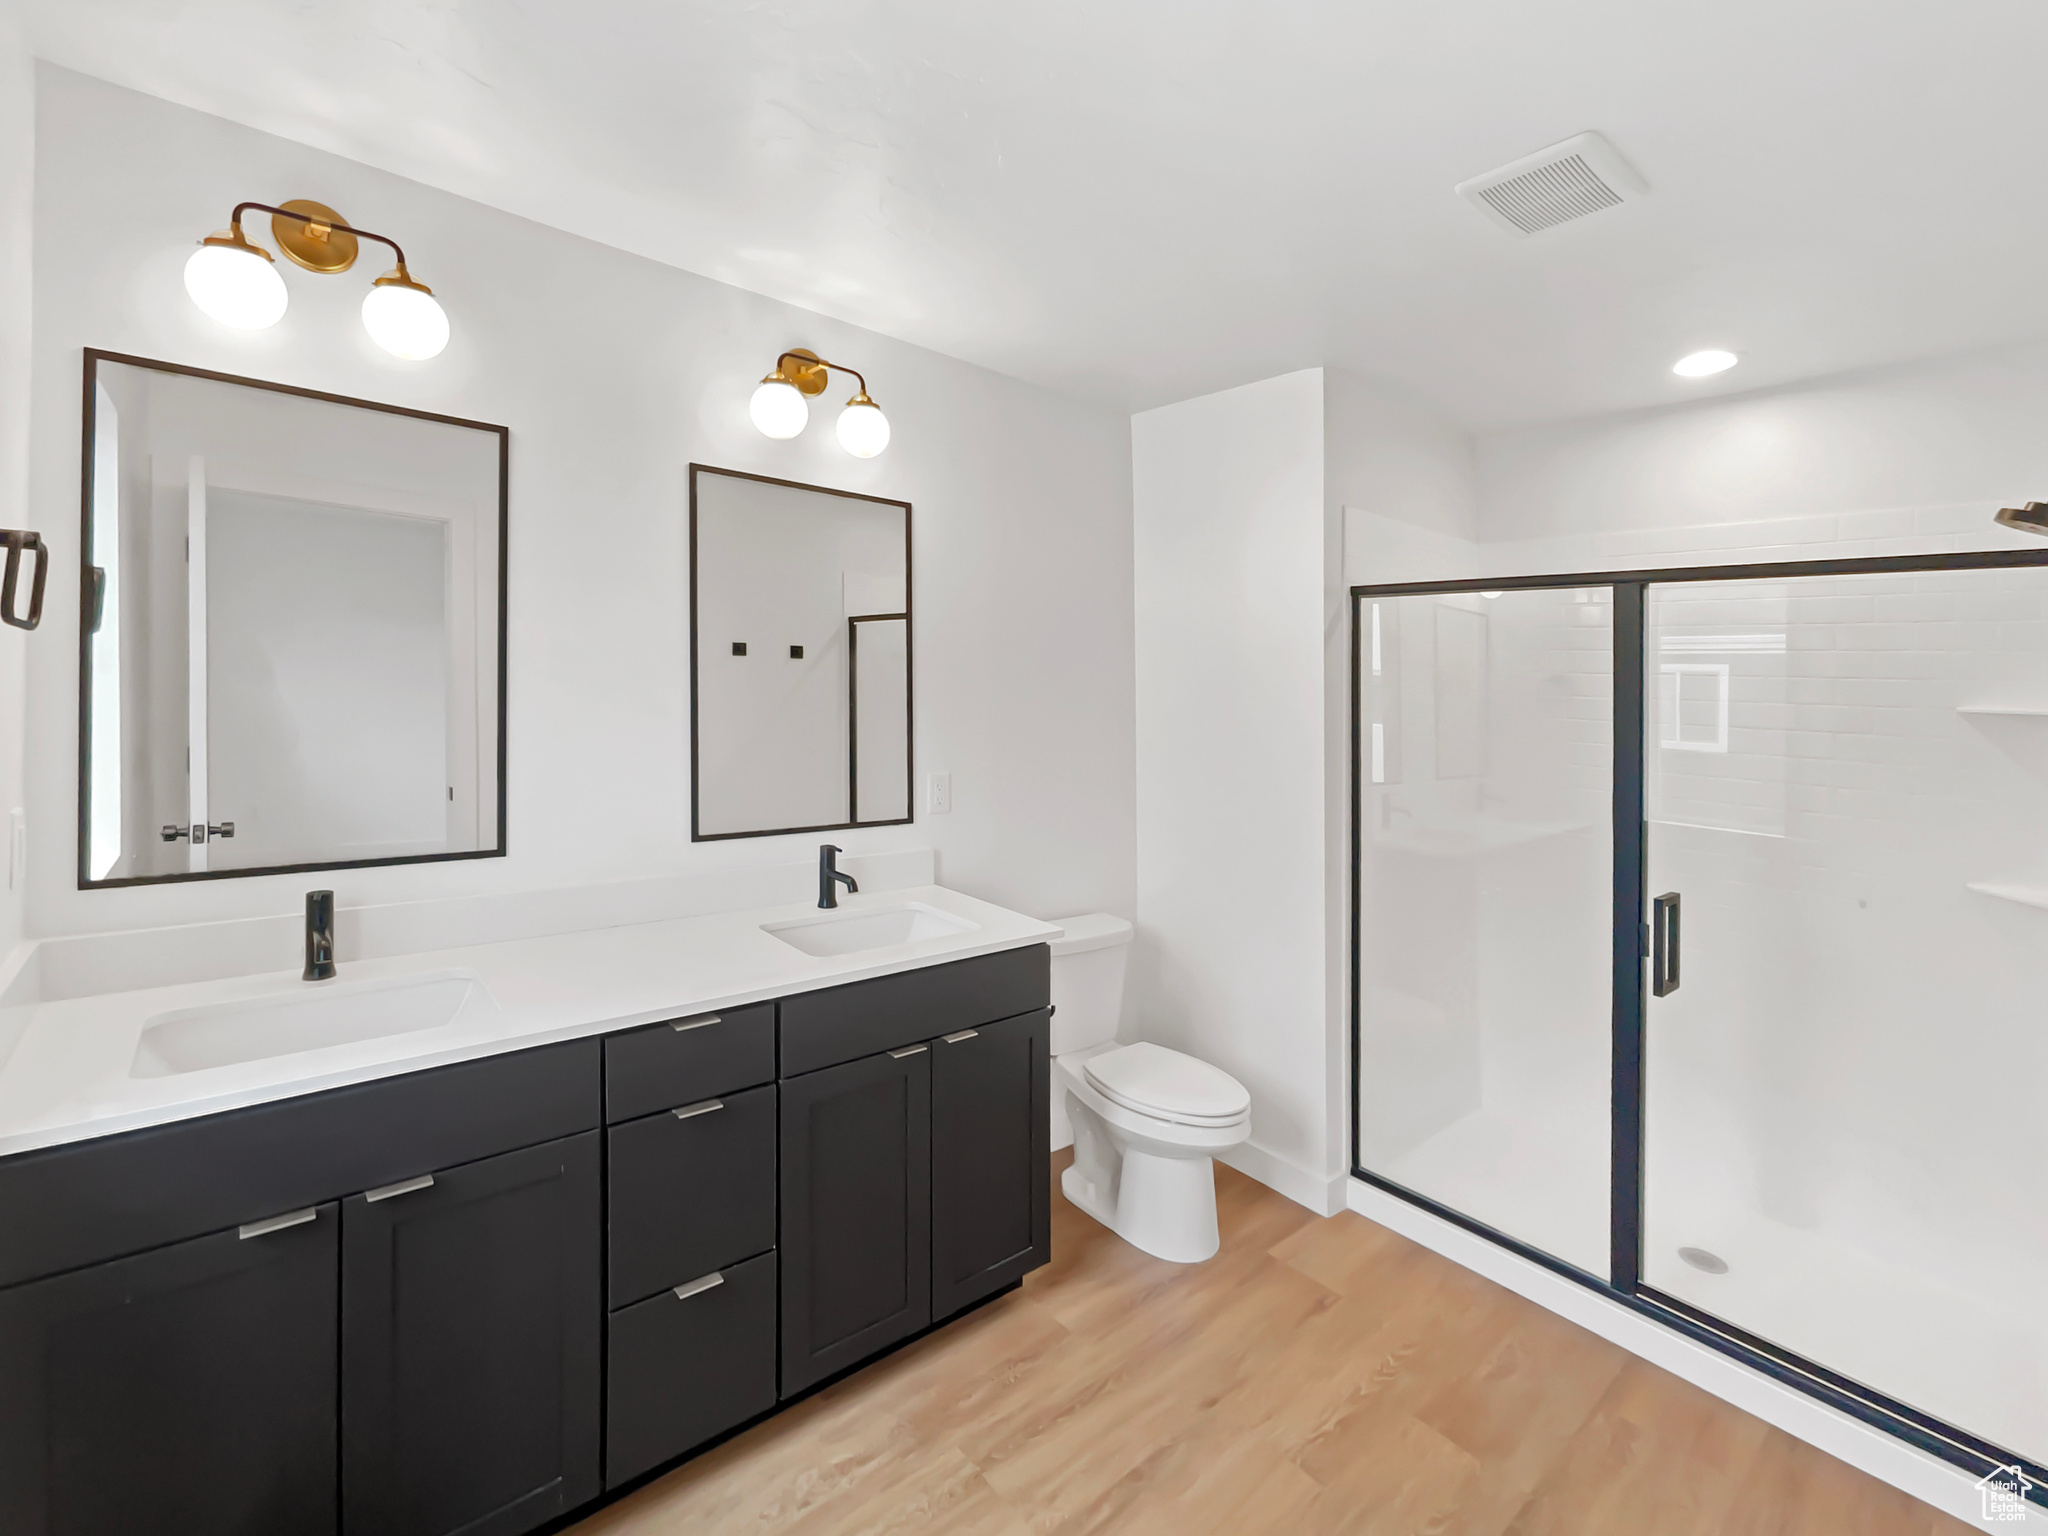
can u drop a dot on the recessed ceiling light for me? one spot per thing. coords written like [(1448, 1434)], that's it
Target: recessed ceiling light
[(1698, 365)]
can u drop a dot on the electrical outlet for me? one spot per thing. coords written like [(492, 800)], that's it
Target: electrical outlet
[(938, 793)]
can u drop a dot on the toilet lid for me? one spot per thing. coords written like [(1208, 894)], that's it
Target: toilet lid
[(1156, 1081)]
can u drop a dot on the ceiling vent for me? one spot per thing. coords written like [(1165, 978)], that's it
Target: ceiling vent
[(1554, 186)]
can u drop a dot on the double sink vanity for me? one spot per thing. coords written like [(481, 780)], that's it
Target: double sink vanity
[(469, 1234), (460, 1241)]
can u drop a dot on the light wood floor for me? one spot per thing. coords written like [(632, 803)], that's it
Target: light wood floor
[(1316, 1376)]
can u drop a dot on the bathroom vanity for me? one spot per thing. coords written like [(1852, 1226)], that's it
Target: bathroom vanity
[(473, 1294)]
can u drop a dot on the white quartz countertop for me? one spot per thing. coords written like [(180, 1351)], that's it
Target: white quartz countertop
[(67, 1076)]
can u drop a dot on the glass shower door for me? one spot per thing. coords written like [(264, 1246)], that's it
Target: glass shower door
[(1484, 906), (1845, 1045)]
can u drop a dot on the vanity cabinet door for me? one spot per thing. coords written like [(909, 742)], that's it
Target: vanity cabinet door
[(188, 1391), (991, 1158), (856, 1211), (471, 1322)]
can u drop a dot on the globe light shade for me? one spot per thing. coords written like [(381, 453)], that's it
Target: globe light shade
[(236, 285), (779, 408), (863, 429), (406, 320)]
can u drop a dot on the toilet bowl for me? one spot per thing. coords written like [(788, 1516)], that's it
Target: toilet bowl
[(1146, 1121)]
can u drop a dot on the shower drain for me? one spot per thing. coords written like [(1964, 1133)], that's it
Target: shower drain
[(1700, 1259)]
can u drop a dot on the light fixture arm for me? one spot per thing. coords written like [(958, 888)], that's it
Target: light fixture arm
[(332, 228), (806, 361)]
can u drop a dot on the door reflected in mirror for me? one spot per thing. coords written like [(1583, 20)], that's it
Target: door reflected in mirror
[(292, 648), (799, 656)]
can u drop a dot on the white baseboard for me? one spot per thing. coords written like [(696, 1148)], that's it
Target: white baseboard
[(1906, 1467), (1323, 1195)]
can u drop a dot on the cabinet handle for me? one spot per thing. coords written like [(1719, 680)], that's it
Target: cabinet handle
[(402, 1187), (912, 1050), (270, 1224), (965, 1034), (706, 1022), (691, 1111), (696, 1287)]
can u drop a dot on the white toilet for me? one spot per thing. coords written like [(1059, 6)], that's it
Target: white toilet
[(1145, 1120)]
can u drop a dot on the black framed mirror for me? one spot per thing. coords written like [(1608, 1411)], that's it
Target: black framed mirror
[(800, 657), (292, 629)]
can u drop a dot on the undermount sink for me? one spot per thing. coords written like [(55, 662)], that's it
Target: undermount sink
[(286, 1023), (850, 932)]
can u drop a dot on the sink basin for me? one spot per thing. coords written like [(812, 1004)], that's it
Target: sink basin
[(286, 1023), (850, 932)]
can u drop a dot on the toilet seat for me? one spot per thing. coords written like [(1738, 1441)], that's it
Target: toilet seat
[(1167, 1085)]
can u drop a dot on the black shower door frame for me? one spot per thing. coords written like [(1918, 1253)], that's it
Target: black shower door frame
[(1624, 1283)]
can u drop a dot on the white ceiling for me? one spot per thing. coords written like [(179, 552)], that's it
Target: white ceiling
[(1141, 201)]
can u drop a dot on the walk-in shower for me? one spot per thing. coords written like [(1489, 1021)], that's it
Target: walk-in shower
[(1701, 952)]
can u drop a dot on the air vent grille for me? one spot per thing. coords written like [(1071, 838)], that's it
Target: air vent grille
[(1554, 186), (1540, 198)]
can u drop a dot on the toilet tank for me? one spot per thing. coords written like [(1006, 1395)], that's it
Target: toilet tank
[(1088, 980)]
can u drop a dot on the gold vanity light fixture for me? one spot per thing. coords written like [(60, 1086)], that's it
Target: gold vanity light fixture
[(236, 281), (780, 408)]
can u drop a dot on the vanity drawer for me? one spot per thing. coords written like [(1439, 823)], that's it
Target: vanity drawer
[(686, 1368), (692, 1191), (92, 1200), (684, 1060), (822, 1029)]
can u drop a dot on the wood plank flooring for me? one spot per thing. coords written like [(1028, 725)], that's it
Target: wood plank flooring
[(1315, 1377)]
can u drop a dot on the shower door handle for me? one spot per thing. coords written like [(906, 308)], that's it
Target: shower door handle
[(1664, 933)]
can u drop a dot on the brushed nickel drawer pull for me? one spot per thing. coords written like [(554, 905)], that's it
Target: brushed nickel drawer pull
[(270, 1224), (698, 1287), (691, 1111), (965, 1034), (402, 1187), (910, 1050), (705, 1022)]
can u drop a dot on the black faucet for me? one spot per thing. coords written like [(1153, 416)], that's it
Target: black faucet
[(319, 935), (829, 878)]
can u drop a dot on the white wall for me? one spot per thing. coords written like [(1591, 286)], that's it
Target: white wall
[(613, 374), (1244, 503), (1895, 460), (17, 180), (1232, 545)]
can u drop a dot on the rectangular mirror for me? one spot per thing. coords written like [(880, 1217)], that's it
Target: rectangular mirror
[(799, 657), (292, 630)]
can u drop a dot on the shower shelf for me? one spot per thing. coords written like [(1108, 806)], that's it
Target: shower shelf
[(1990, 709), (2024, 895)]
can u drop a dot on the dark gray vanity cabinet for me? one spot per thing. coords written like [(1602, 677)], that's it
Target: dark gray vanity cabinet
[(915, 1153), (471, 1314), (991, 1158), (187, 1391), (856, 1211), (691, 1234), (209, 1326), (471, 1298)]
